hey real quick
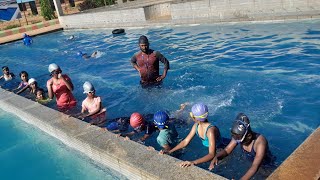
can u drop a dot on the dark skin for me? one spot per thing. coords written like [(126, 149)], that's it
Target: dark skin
[(143, 138), (144, 47), (260, 146)]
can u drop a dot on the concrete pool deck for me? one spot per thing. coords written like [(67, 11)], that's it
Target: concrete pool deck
[(303, 163)]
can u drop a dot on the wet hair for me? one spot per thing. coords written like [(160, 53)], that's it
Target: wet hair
[(143, 40), (41, 90), (24, 72)]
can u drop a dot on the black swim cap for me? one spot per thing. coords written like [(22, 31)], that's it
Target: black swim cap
[(242, 117), (239, 127), (143, 40)]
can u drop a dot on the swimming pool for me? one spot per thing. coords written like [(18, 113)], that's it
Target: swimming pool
[(28, 153), (268, 71)]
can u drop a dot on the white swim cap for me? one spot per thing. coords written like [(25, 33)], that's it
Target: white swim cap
[(87, 87), (53, 67), (31, 80)]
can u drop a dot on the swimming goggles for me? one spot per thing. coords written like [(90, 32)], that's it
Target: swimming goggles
[(138, 129), (205, 115)]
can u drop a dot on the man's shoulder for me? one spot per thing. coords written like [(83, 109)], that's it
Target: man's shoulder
[(137, 53)]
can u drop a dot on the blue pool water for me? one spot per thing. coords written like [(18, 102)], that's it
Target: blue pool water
[(268, 71), (28, 153)]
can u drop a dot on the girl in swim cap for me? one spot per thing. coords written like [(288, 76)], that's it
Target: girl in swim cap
[(209, 135), (139, 125), (92, 106), (253, 145)]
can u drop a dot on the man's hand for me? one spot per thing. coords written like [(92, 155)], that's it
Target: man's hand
[(160, 78)]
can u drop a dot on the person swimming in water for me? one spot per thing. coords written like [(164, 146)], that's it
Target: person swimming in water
[(168, 134), (208, 133), (60, 86), (253, 145), (140, 125), (7, 75), (146, 62), (24, 82), (85, 56), (41, 97), (92, 106)]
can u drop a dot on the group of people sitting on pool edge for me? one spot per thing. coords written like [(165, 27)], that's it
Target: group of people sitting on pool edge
[(146, 62)]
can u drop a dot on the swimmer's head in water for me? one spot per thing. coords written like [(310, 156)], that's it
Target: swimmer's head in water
[(136, 120), (88, 87), (144, 44), (240, 127), (199, 112), (80, 54), (160, 118), (25, 35)]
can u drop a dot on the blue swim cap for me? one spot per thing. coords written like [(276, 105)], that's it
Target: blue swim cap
[(160, 118), (112, 126), (79, 53), (199, 112)]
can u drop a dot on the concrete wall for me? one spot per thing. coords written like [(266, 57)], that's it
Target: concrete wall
[(193, 11), (158, 11), (127, 157), (104, 19), (244, 10)]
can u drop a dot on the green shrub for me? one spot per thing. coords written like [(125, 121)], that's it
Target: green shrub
[(91, 4), (46, 11), (12, 26)]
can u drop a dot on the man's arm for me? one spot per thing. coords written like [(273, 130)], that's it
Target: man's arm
[(166, 65)]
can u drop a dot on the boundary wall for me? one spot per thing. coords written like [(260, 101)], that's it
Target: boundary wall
[(129, 158), (192, 11)]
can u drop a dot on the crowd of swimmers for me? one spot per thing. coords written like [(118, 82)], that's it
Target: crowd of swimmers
[(139, 127)]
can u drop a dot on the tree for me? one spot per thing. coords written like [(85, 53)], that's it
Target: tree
[(46, 10)]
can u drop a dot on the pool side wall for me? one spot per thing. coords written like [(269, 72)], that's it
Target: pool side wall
[(202, 11), (129, 158)]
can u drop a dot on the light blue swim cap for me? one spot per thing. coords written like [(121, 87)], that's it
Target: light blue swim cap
[(200, 111)]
